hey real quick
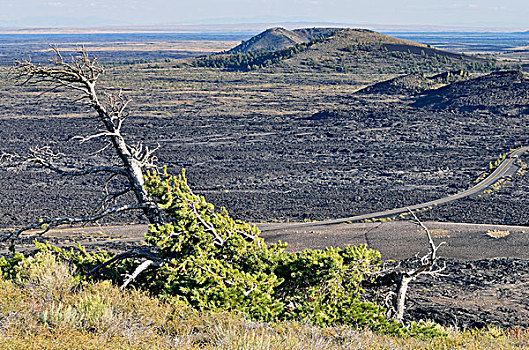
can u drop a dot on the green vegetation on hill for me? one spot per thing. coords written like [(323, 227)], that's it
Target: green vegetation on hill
[(504, 91), (411, 59), (410, 84), (366, 52), (253, 59), (350, 51)]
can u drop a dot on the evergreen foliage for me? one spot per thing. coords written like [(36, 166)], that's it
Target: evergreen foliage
[(215, 263), (254, 59)]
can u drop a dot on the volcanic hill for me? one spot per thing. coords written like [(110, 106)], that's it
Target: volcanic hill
[(499, 92), (369, 52), (280, 38), (410, 84), (356, 51)]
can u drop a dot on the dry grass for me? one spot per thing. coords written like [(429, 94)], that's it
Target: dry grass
[(440, 233), (498, 233), (183, 45), (99, 316)]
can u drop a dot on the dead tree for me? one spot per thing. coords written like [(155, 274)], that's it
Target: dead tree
[(400, 278), (80, 74)]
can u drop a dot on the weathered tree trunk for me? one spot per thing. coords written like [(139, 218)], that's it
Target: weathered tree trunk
[(401, 279), (400, 296), (81, 75), (130, 163)]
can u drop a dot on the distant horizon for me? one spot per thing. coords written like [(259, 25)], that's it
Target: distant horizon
[(249, 27), (480, 15)]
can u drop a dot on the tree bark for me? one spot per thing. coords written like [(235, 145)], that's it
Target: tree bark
[(400, 296)]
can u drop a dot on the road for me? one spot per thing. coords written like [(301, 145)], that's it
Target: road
[(507, 167), (394, 240)]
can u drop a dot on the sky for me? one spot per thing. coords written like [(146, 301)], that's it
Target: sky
[(474, 13)]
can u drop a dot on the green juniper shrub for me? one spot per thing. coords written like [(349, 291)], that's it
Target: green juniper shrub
[(215, 263)]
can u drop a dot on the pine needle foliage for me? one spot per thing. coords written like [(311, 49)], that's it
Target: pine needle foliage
[(214, 263)]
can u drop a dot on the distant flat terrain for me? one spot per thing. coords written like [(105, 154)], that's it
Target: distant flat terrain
[(504, 46), (467, 41), (179, 42), (117, 47)]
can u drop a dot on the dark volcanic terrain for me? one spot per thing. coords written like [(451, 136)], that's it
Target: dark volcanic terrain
[(356, 123), (500, 92), (287, 146), (411, 84), (374, 156)]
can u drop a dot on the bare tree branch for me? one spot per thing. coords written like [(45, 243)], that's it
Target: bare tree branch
[(142, 251), (395, 300), (43, 157), (83, 139), (142, 267), (78, 172), (152, 259), (429, 260), (46, 224), (112, 196), (216, 237), (80, 74)]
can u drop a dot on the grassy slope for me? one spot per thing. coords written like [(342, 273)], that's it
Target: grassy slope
[(46, 309), (279, 38), (356, 51), (271, 39)]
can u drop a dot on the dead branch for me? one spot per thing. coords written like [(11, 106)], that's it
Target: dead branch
[(217, 239), (142, 251), (80, 74), (401, 278), (246, 235), (45, 225), (83, 139), (428, 260), (149, 253), (142, 267), (43, 157), (112, 197)]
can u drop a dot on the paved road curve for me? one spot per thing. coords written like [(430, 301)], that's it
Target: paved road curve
[(506, 167), (394, 240)]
